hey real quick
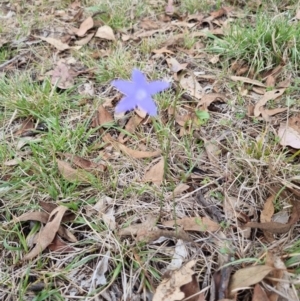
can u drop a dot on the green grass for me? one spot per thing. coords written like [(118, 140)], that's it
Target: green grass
[(250, 158), (263, 43)]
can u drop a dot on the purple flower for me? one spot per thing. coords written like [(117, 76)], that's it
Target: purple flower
[(138, 93)]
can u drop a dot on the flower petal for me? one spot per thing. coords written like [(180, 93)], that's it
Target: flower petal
[(124, 86), (139, 78), (157, 86), (149, 106), (125, 104)]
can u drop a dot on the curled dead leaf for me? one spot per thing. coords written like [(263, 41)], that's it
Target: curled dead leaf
[(191, 85), (59, 45), (105, 32), (47, 234), (272, 227), (259, 294), (248, 276), (169, 289), (135, 229), (70, 174), (43, 217), (267, 96), (180, 188), (207, 99), (130, 127), (102, 118), (155, 173), (175, 66), (58, 245), (84, 27), (33, 216), (268, 210), (84, 40), (289, 135)]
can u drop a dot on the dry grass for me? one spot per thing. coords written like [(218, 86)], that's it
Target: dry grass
[(249, 166)]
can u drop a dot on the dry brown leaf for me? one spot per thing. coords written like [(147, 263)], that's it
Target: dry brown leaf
[(13, 162), (247, 81), (58, 245), (243, 70), (84, 163), (169, 289), (214, 59), (59, 45), (43, 217), (273, 112), (274, 261), (102, 118), (175, 66), (289, 134), (259, 90), (218, 13), (109, 218), (155, 173), (295, 216), (137, 154), (183, 120), (268, 210), (229, 206), (27, 124), (280, 279), (49, 207), (130, 127), (191, 85), (268, 96), (284, 84), (105, 32), (248, 276), (140, 112), (70, 174), (66, 234), (266, 216), (272, 227), (207, 99), (270, 82), (273, 73), (136, 229), (191, 290), (259, 294), (180, 188), (62, 76), (84, 40), (199, 224), (47, 234), (84, 27)]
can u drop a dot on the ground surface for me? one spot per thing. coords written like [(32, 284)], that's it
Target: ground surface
[(198, 203)]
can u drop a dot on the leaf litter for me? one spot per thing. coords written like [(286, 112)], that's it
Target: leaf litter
[(163, 224)]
